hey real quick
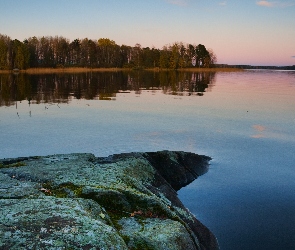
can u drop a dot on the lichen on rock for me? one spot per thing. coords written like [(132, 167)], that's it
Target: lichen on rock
[(52, 223), (79, 201), (155, 233)]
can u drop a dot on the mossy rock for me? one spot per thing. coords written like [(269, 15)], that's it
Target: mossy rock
[(78, 201), (52, 223), (154, 233)]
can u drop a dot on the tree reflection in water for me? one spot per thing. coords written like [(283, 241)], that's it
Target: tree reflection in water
[(61, 88)]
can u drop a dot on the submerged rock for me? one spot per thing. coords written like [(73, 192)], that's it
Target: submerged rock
[(79, 201)]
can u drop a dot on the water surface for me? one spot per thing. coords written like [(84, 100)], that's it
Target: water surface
[(244, 120)]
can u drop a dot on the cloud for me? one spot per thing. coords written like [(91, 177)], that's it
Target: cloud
[(222, 3), (293, 56), (281, 4), (259, 129), (265, 3), (178, 2)]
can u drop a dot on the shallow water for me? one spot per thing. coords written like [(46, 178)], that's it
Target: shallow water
[(245, 121)]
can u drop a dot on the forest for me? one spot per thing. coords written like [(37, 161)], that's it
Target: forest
[(60, 52)]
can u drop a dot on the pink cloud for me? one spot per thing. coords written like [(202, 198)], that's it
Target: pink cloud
[(265, 3), (281, 4), (259, 128)]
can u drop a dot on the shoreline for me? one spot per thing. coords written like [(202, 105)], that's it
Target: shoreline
[(85, 70)]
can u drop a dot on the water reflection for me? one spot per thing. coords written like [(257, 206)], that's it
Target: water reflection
[(61, 88)]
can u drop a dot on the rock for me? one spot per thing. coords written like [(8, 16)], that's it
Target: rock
[(78, 201), (153, 233), (52, 223)]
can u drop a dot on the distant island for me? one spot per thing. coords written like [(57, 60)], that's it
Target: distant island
[(255, 67)]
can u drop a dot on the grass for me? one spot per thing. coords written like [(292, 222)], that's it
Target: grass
[(68, 70), (85, 70), (211, 69), (199, 69), (5, 71)]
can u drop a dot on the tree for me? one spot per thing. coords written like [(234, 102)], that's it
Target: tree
[(156, 57), (107, 52), (137, 56), (191, 55), (33, 47), (125, 56), (4, 51), (21, 56), (174, 56), (183, 57), (164, 58), (75, 52), (150, 57), (88, 53), (46, 52), (60, 51), (213, 57), (201, 53)]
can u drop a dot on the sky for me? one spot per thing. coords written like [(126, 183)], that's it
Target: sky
[(247, 32)]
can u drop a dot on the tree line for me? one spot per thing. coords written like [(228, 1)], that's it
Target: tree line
[(55, 52)]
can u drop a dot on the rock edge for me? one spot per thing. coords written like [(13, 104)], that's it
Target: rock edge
[(79, 201)]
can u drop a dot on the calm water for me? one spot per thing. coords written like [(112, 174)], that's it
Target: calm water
[(245, 121)]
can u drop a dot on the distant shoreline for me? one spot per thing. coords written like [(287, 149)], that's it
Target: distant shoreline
[(73, 70), (85, 70)]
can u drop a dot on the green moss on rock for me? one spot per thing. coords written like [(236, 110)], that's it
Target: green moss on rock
[(12, 165), (81, 202)]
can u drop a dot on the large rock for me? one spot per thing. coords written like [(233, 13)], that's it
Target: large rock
[(78, 201), (51, 223)]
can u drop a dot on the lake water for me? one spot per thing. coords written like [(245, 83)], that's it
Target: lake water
[(244, 120)]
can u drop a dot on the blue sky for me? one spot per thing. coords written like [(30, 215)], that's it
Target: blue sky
[(239, 32)]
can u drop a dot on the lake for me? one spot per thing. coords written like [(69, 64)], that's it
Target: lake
[(244, 120)]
